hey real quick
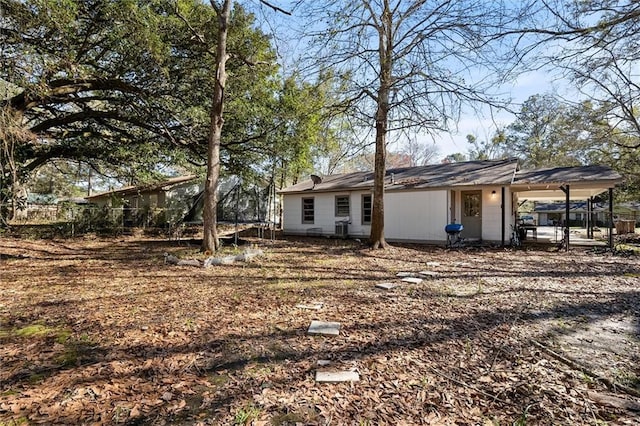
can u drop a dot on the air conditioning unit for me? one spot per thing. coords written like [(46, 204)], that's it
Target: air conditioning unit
[(342, 229)]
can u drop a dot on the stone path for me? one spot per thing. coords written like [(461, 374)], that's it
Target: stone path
[(387, 286), (314, 306), (333, 328), (337, 376), (324, 328)]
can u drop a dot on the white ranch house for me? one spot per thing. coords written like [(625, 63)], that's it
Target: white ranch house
[(420, 201)]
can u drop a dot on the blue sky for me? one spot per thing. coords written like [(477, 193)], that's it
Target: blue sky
[(482, 124), (483, 127)]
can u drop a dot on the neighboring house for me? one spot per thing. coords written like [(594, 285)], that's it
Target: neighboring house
[(554, 213), (40, 208), (154, 204), (420, 201), (47, 207)]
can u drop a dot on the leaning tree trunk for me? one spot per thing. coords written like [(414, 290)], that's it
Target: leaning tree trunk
[(210, 242)]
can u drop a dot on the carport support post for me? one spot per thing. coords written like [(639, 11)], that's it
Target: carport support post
[(611, 218), (565, 189), (593, 218), (589, 217), (502, 194)]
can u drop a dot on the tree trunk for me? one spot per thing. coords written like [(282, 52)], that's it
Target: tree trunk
[(210, 242), (377, 239), (385, 49)]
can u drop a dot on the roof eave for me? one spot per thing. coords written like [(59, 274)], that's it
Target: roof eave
[(557, 184)]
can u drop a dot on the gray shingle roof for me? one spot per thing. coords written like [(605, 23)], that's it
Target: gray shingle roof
[(490, 172)]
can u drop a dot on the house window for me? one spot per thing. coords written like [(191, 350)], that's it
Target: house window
[(307, 210), (366, 209), (342, 205), (472, 204)]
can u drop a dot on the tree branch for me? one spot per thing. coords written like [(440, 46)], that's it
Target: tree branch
[(275, 8)]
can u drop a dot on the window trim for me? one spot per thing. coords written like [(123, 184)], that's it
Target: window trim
[(313, 210), (335, 203), (362, 216)]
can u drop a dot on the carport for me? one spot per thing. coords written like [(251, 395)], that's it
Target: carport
[(581, 183)]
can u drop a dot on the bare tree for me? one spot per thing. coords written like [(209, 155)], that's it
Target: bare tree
[(410, 65), (605, 68), (420, 153), (595, 44)]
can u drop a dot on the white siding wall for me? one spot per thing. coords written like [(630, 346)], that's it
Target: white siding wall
[(416, 215), (409, 216), (324, 209), (492, 214), (356, 228)]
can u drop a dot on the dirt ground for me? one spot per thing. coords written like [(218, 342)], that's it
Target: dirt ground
[(102, 331)]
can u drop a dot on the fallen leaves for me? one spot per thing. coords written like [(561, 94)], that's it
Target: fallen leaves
[(151, 343)]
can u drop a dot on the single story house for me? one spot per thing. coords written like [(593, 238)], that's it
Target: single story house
[(420, 201), (153, 204)]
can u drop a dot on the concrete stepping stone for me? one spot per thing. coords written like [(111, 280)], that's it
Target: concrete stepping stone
[(404, 274), (323, 362), (337, 376), (433, 263), (428, 273), (314, 306), (324, 328), (387, 286), (412, 280)]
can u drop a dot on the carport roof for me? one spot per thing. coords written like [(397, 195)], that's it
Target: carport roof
[(583, 181)]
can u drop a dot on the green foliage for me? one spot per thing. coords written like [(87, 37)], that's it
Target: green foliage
[(15, 422), (246, 414), (102, 220), (35, 331), (492, 149), (551, 133), (127, 88), (542, 134), (456, 158)]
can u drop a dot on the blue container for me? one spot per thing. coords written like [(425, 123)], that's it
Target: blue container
[(453, 228)]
